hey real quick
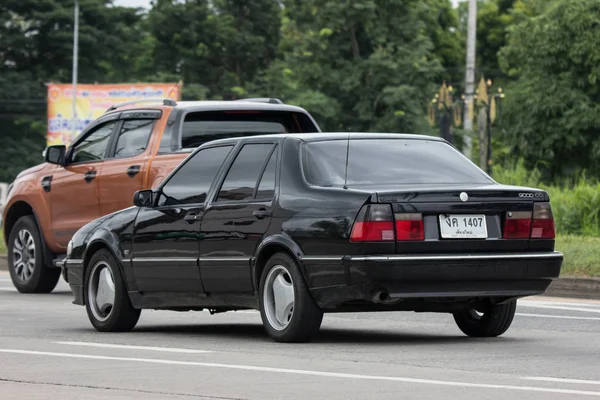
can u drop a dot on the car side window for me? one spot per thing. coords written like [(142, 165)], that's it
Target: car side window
[(133, 137), (266, 187), (244, 173), (95, 145), (191, 183)]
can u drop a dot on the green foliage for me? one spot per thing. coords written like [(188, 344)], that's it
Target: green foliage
[(581, 255), (553, 107), (575, 203)]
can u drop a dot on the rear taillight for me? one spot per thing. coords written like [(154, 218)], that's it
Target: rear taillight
[(525, 225), (374, 223), (517, 225), (543, 222), (409, 226)]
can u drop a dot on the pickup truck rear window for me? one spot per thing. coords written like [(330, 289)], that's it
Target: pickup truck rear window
[(387, 162), (201, 127)]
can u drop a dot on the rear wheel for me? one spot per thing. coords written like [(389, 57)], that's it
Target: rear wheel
[(106, 299), (28, 271), (491, 322), (287, 309)]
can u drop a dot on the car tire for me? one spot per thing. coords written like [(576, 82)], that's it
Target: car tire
[(106, 300), (28, 270), (281, 279), (494, 321)]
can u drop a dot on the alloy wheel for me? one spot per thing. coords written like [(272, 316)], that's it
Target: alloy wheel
[(24, 253), (101, 291), (279, 297)]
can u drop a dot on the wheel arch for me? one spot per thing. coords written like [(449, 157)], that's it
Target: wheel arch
[(103, 239), (17, 210), (269, 247)]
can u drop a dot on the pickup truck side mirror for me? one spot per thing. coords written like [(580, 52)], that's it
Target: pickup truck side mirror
[(55, 154), (143, 198)]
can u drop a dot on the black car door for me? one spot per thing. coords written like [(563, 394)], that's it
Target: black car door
[(237, 218), (165, 238)]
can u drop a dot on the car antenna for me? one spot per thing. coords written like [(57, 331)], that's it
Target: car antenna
[(346, 171)]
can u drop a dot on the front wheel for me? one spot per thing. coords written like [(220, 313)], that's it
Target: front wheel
[(492, 322), (287, 309), (28, 271), (106, 299)]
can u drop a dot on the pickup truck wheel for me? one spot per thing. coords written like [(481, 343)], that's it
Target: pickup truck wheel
[(106, 299), (493, 321), (28, 271), (287, 309)]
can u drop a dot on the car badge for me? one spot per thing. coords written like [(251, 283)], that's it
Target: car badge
[(464, 197)]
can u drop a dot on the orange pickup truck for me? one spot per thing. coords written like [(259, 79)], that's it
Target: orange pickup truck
[(133, 146)]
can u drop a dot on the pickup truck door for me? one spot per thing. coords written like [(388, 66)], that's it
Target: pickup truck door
[(124, 170), (72, 190)]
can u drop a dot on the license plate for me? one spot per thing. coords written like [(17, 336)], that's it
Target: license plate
[(463, 226)]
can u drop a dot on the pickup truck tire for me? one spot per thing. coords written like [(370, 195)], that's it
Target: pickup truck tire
[(26, 263), (105, 295)]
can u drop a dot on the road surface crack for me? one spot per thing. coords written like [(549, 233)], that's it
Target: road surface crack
[(198, 396)]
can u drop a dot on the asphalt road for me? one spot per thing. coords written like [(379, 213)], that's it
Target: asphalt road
[(48, 349)]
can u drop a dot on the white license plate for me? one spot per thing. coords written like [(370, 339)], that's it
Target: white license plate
[(461, 226)]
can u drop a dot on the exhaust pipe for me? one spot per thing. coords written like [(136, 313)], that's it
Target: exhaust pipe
[(380, 297)]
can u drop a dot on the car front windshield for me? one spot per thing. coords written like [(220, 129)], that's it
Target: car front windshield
[(387, 162)]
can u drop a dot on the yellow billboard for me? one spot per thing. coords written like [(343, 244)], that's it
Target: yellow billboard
[(92, 101)]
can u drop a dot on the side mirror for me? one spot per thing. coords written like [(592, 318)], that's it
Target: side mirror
[(55, 154), (143, 198)]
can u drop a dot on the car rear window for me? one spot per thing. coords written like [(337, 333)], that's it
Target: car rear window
[(202, 127), (387, 162)]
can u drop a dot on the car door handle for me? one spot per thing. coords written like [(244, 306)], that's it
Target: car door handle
[(89, 176), (192, 217), (261, 213), (133, 170)]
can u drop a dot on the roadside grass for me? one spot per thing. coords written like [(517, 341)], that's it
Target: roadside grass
[(581, 255), (2, 245)]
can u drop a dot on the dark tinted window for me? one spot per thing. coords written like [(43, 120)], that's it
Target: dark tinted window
[(201, 127), (266, 188), (133, 137), (387, 162), (94, 146), (245, 170), (190, 184), (166, 141)]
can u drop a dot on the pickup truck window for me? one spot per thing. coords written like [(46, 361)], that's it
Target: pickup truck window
[(190, 184), (94, 146), (201, 127), (133, 138)]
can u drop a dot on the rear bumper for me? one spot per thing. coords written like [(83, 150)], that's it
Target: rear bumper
[(445, 277)]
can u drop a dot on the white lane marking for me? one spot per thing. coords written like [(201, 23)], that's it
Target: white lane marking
[(561, 380), (527, 303), (123, 346), (309, 372), (7, 289), (589, 310), (5, 280), (557, 316)]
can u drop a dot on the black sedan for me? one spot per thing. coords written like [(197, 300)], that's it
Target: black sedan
[(298, 225)]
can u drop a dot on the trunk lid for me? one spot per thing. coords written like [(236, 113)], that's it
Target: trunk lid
[(462, 218)]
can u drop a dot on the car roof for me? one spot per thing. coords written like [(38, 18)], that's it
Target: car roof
[(321, 136)]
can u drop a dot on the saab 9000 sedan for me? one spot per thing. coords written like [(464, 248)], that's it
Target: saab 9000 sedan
[(298, 225)]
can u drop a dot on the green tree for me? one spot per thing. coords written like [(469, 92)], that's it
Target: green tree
[(363, 65), (36, 39), (552, 110)]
